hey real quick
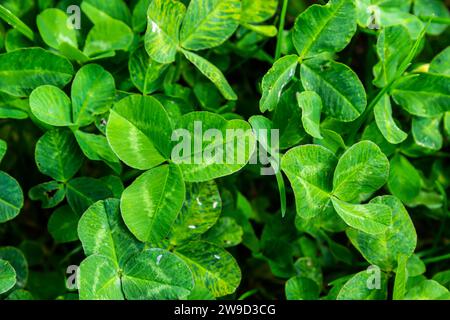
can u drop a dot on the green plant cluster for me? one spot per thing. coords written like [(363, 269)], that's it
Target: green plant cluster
[(92, 91)]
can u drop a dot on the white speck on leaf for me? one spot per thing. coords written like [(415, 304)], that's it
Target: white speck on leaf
[(158, 259), (217, 257), (215, 204), (192, 227)]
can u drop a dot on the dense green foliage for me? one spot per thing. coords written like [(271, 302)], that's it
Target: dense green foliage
[(99, 201)]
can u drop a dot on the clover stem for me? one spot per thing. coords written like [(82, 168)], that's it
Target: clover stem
[(281, 29)]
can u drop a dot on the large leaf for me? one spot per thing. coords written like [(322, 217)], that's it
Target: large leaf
[(212, 266), (404, 180), (102, 232), (372, 218), (362, 170), (11, 197), (7, 276), (273, 83), (310, 171), (357, 288), (58, 155), (209, 23), (162, 36), (200, 211), (151, 204), (138, 131), (54, 29), (212, 73), (399, 238), (93, 92), (211, 147), (327, 28), (156, 274), (311, 105), (423, 95), (426, 132), (342, 93), (393, 47), (23, 70), (386, 122)]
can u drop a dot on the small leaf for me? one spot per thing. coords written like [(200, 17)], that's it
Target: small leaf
[(310, 170), (432, 8), (358, 287), (369, 218), (423, 95), (62, 225), (23, 70), (426, 132), (212, 73), (3, 148), (84, 192), (162, 36), (209, 23), (311, 105), (257, 11), (327, 28), (441, 63), (50, 194), (401, 277), (275, 80), (52, 106), (301, 288), (342, 93), (161, 193), (225, 233), (156, 274), (362, 170), (386, 122), (212, 266), (404, 180), (58, 155), (11, 197), (18, 261), (427, 290), (7, 276), (55, 30)]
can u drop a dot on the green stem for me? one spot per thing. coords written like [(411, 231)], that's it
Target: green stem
[(16, 23), (281, 29), (437, 259), (438, 20)]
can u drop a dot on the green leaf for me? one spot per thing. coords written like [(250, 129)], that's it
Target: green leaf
[(3, 148), (139, 17), (372, 218), (23, 70), (96, 147), (62, 225), (362, 170), (327, 28), (98, 279), (393, 47), (11, 197), (427, 290), (423, 95), (13, 107), (441, 63), (311, 105), (310, 168), (225, 233), (357, 288), (102, 232), (386, 123), (15, 22), (426, 132), (162, 36), (138, 132), (399, 238), (212, 73), (401, 277), (84, 192), (55, 30), (301, 288), (50, 194), (211, 147), (404, 180), (146, 74), (257, 11), (342, 93), (273, 83), (199, 213), (18, 261), (160, 193), (7, 276), (212, 266), (447, 123), (156, 274), (58, 155), (432, 8), (209, 23), (116, 9), (52, 106), (93, 92)]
